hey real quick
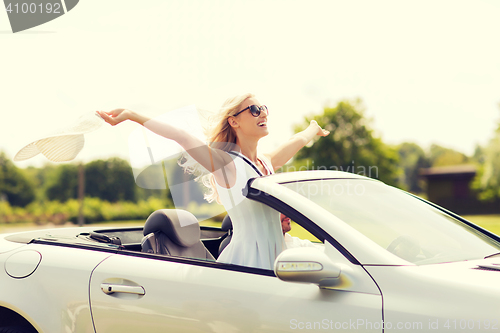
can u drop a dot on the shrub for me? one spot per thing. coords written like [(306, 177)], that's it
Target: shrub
[(94, 210)]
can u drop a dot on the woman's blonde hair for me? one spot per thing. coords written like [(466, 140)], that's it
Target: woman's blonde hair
[(220, 135)]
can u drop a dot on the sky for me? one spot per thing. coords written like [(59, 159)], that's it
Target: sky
[(427, 71)]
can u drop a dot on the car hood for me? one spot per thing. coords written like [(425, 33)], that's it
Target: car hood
[(449, 291), (475, 276), (483, 272)]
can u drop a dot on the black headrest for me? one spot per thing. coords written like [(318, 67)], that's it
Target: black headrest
[(179, 225), (227, 224)]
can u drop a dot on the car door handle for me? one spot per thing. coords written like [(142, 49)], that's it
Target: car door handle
[(109, 288)]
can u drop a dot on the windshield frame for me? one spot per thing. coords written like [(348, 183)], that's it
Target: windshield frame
[(274, 193), (466, 234)]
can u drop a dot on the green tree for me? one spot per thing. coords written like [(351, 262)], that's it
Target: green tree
[(14, 185), (38, 177), (487, 181), (62, 182), (351, 146), (412, 158), (479, 155), (110, 180), (441, 156)]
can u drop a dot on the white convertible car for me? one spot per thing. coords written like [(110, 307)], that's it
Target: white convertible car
[(388, 261)]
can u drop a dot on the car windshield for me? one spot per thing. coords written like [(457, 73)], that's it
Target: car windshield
[(397, 221)]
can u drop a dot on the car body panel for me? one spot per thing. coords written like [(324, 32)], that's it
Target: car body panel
[(284, 177), (460, 295), (55, 296), (187, 298), (6, 246)]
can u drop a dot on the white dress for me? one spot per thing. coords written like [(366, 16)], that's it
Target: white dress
[(257, 235)]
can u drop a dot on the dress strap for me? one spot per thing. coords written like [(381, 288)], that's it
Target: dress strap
[(265, 161), (247, 160)]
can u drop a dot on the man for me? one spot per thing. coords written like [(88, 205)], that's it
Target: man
[(290, 241)]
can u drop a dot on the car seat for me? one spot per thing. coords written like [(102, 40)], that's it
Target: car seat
[(227, 225), (174, 232)]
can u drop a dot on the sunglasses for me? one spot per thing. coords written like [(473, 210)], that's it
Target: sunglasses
[(255, 110)]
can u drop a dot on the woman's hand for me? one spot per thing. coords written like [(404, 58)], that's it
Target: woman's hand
[(319, 130), (117, 116), (287, 150)]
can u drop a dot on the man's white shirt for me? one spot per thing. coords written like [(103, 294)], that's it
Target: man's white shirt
[(293, 242)]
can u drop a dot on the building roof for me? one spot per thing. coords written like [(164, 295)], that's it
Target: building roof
[(452, 170)]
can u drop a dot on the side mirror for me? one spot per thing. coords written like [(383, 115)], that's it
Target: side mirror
[(308, 265)]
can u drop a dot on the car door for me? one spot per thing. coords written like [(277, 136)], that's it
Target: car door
[(151, 293)]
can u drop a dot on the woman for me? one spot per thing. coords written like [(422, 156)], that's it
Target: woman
[(232, 159)]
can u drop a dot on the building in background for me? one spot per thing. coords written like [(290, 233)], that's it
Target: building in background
[(450, 187)]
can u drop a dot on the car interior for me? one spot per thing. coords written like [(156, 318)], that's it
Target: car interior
[(170, 232)]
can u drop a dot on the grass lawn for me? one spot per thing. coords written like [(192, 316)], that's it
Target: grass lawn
[(488, 222)]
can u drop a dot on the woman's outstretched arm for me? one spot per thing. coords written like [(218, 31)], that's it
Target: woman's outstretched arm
[(213, 160), (287, 150)]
